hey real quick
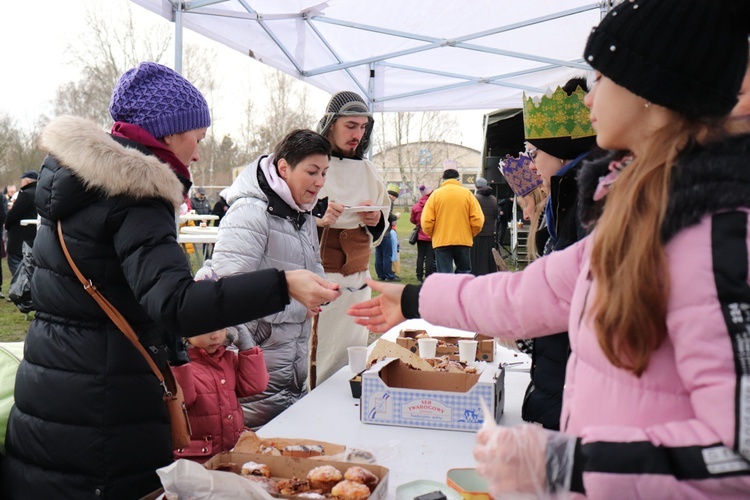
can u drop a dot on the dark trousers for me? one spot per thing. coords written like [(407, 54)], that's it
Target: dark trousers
[(384, 258), (14, 262), (425, 259), (482, 260), (446, 256), (501, 228)]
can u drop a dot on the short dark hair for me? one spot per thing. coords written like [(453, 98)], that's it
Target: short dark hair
[(299, 144), (450, 173)]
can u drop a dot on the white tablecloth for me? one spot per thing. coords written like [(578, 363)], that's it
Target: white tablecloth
[(329, 413), (210, 230)]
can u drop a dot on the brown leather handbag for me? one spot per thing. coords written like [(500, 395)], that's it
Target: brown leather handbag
[(178, 416)]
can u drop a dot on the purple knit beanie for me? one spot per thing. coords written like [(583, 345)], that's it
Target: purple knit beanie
[(158, 100)]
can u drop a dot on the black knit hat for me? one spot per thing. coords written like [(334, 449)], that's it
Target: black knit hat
[(686, 55)]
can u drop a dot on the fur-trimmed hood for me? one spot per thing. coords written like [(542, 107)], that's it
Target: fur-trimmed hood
[(105, 165), (708, 179)]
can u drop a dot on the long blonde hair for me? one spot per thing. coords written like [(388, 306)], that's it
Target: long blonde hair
[(540, 196), (628, 260)]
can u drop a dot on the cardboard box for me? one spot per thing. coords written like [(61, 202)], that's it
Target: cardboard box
[(485, 345), (394, 394), (288, 467), (250, 442)]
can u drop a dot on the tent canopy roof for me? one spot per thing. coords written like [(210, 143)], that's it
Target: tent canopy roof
[(404, 55)]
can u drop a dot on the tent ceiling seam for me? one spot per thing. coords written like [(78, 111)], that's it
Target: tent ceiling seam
[(434, 43), (272, 36), (333, 52)]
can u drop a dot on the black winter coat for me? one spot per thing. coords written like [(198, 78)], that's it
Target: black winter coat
[(543, 401), (89, 420), (201, 206), (488, 203), (23, 208)]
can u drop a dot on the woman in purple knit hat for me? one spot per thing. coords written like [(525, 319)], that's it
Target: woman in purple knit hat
[(89, 419)]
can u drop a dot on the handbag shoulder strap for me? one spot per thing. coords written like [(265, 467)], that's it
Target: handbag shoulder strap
[(110, 310)]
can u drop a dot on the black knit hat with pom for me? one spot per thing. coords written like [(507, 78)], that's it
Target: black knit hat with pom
[(686, 55)]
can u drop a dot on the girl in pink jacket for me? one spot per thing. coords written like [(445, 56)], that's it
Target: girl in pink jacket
[(656, 299), (212, 383)]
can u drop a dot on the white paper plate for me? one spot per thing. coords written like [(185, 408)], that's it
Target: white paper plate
[(410, 490), (367, 208)]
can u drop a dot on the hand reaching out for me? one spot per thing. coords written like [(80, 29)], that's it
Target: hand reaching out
[(382, 312), (310, 289)]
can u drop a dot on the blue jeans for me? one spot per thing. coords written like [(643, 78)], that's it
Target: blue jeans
[(446, 256), (384, 258)]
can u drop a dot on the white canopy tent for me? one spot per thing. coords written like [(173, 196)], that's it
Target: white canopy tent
[(403, 55)]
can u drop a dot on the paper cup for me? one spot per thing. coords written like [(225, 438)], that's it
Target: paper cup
[(357, 358), (427, 347), (467, 351)]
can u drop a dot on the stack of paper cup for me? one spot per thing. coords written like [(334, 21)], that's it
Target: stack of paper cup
[(427, 347), (357, 358), (467, 351)]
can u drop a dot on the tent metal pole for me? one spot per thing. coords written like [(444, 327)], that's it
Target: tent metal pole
[(328, 46), (178, 36), (432, 43), (273, 37), (370, 105), (371, 87)]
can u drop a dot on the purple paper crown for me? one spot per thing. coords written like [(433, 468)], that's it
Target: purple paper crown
[(519, 176)]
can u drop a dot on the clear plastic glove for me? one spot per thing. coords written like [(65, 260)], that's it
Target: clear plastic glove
[(525, 461)]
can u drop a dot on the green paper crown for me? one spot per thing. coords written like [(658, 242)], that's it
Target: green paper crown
[(556, 115)]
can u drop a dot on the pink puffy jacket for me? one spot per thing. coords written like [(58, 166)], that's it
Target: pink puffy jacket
[(211, 384), (681, 430)]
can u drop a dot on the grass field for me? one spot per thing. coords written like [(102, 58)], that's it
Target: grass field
[(14, 324)]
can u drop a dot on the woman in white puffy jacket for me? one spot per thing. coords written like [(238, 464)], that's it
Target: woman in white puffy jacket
[(268, 225)]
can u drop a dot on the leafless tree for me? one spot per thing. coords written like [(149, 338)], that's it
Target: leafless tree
[(287, 110), (413, 144), (18, 150), (109, 47)]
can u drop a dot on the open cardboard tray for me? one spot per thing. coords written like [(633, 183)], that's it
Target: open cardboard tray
[(288, 467), (485, 344), (250, 442)]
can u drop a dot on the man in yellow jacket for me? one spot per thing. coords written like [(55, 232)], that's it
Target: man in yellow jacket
[(452, 217)]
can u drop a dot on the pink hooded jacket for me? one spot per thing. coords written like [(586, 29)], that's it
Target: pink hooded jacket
[(212, 384), (681, 430), (416, 217)]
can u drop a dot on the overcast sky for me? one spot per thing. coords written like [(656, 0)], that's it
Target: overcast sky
[(35, 36)]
